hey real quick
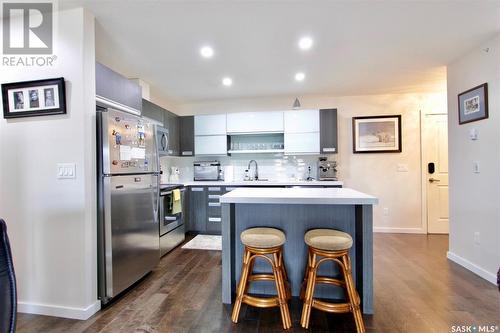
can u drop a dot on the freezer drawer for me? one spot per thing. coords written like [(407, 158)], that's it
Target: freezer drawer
[(171, 239), (131, 239)]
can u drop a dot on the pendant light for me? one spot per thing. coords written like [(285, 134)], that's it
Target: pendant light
[(296, 104)]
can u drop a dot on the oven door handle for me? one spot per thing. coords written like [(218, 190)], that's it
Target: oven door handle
[(171, 218)]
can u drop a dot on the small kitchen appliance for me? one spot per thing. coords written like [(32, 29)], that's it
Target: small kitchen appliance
[(207, 170), (327, 170)]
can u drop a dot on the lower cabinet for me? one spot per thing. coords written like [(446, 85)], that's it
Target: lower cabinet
[(205, 211), (197, 209), (214, 212)]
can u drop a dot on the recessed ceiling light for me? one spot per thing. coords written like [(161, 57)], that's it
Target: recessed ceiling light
[(300, 76), (227, 81), (305, 43), (207, 52)]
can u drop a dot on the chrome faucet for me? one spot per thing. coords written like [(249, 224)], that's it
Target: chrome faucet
[(256, 174)]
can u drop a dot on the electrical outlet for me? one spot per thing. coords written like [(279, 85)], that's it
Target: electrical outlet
[(386, 211), (477, 238)]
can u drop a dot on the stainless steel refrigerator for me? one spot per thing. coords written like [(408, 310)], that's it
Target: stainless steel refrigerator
[(128, 186)]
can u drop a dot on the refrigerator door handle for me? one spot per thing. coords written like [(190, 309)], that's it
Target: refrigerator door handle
[(156, 195), (108, 250)]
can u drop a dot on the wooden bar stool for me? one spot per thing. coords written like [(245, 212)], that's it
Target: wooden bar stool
[(329, 245), (266, 243)]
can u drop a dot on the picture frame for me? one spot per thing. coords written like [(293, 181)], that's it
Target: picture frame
[(377, 134), (473, 104), (34, 98)]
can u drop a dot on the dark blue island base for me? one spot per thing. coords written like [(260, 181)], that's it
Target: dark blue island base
[(295, 219)]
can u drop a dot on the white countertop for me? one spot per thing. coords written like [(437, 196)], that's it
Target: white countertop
[(303, 196), (261, 183)]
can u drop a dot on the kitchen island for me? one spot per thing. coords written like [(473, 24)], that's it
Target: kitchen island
[(295, 211)]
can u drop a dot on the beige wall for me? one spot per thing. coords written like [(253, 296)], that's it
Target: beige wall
[(474, 197), (399, 192)]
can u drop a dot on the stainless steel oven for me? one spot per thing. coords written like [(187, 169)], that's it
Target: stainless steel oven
[(172, 228)]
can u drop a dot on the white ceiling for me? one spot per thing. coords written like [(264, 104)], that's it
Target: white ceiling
[(360, 47)]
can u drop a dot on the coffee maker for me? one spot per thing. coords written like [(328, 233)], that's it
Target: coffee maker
[(327, 170)]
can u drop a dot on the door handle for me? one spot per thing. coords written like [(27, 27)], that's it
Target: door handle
[(432, 180)]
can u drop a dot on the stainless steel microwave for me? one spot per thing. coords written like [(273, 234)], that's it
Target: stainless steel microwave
[(207, 170)]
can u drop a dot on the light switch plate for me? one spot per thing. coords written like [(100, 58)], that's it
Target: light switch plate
[(66, 170)]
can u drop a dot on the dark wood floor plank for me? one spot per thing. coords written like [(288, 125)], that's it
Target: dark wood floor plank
[(416, 290)]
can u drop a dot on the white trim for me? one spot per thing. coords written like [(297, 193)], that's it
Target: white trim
[(423, 174), (399, 230), (59, 311), (490, 277)]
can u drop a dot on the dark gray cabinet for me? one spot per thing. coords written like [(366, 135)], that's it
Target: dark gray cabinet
[(152, 111), (204, 213), (168, 120), (186, 135), (116, 88), (328, 131), (197, 209), (171, 122), (214, 211)]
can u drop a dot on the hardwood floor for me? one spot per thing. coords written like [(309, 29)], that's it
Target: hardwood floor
[(416, 290)]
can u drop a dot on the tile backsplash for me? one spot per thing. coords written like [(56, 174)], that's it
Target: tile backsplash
[(273, 167)]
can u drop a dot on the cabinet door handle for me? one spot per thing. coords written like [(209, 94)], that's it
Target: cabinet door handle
[(329, 150), (163, 142), (187, 153), (213, 196), (196, 189), (214, 189), (214, 204), (215, 219)]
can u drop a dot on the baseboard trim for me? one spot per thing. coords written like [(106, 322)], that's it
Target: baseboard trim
[(399, 230), (59, 311), (490, 277)]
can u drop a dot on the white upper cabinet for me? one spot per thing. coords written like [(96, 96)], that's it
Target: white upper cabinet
[(302, 143), (215, 145), (255, 122), (212, 124), (301, 121)]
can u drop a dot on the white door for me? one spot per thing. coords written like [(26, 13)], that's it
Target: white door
[(302, 143), (210, 145), (210, 124), (435, 136), (255, 122), (301, 121)]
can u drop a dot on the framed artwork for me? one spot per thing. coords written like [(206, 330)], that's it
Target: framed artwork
[(376, 134), (34, 98), (473, 104)]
